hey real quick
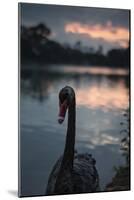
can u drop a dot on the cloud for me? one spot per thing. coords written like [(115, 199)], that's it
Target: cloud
[(107, 32)]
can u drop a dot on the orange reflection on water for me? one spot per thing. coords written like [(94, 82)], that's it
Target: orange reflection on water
[(97, 70), (98, 96)]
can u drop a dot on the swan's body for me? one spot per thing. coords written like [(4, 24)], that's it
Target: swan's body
[(73, 173), (82, 179)]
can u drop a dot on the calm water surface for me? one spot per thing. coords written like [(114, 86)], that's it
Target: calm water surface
[(101, 97)]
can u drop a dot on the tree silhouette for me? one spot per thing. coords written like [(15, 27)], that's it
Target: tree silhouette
[(32, 38), (100, 50), (36, 45), (78, 45)]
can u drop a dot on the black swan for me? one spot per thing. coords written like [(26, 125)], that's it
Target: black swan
[(73, 173)]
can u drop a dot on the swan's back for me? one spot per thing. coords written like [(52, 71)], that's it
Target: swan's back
[(85, 175), (82, 179)]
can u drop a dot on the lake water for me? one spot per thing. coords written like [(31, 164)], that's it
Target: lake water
[(101, 98)]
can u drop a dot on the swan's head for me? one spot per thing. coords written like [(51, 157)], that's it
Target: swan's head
[(66, 98)]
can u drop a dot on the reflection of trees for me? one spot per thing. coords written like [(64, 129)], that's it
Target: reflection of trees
[(121, 180), (42, 81), (38, 86)]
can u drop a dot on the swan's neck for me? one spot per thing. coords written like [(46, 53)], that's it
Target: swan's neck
[(68, 155)]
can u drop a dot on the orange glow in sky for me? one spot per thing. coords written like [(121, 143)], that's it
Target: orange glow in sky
[(106, 32)]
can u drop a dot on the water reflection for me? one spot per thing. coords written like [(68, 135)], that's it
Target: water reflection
[(90, 70), (104, 96), (101, 98), (93, 90)]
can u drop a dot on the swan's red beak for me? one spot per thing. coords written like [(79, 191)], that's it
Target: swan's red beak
[(62, 112)]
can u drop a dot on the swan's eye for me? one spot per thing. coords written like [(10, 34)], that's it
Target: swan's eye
[(63, 97), (66, 94)]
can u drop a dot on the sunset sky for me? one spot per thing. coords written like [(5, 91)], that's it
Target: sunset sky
[(91, 26)]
